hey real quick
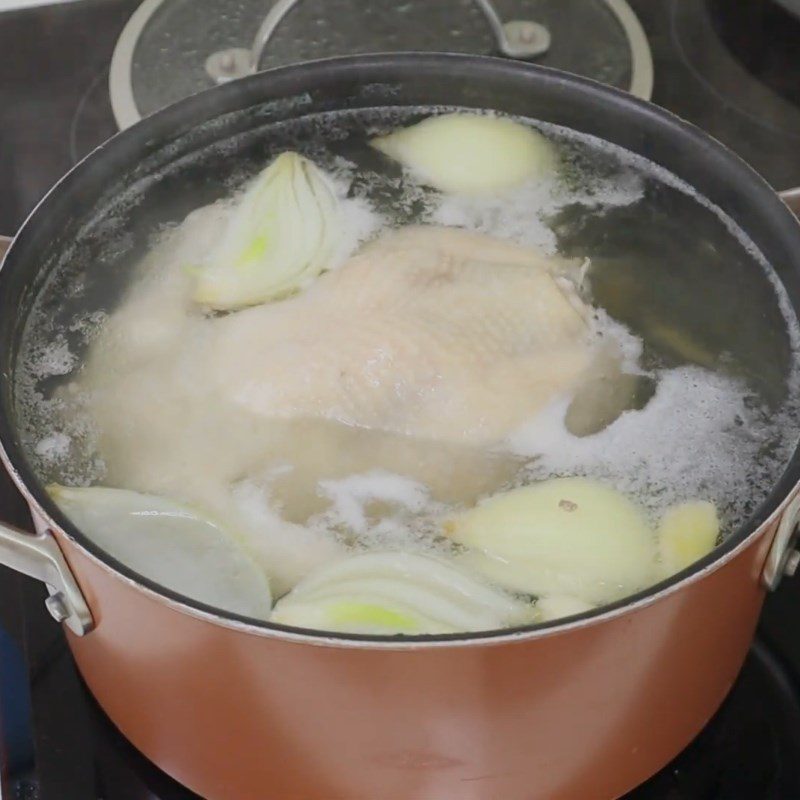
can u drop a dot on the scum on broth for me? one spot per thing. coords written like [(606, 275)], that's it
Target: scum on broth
[(701, 318)]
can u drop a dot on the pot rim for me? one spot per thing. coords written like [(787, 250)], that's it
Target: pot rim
[(47, 514)]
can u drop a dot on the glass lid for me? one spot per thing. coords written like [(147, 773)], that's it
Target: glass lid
[(173, 48)]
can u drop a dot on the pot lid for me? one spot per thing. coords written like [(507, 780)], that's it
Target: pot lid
[(173, 48)]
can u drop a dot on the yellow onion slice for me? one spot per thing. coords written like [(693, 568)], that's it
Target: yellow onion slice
[(566, 536), (687, 532), (397, 593), (171, 544), (469, 153), (282, 232)]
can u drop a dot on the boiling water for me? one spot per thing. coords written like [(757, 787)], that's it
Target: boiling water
[(705, 328)]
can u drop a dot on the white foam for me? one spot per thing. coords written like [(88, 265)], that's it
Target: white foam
[(88, 325), (54, 447), (606, 329), (359, 222), (53, 358), (286, 551), (516, 216), (381, 510), (696, 438), (351, 495), (523, 214)]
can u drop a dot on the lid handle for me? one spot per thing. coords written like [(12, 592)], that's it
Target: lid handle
[(516, 39)]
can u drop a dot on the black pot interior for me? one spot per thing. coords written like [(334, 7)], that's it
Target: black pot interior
[(105, 212)]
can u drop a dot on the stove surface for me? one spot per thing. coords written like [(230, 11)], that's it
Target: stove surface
[(729, 67)]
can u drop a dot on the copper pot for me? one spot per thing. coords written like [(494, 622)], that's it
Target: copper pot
[(238, 709)]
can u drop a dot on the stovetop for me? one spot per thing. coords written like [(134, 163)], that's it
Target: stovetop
[(730, 67)]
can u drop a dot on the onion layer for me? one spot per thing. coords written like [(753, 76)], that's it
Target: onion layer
[(469, 153), (282, 233), (171, 545), (397, 593), (687, 532), (566, 536)]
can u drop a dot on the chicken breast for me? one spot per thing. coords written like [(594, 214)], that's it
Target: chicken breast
[(433, 333)]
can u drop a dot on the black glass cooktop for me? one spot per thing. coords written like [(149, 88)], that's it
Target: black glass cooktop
[(730, 67)]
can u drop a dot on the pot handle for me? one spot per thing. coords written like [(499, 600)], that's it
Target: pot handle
[(792, 199), (39, 556), (783, 558)]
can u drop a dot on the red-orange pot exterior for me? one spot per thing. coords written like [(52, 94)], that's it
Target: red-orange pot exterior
[(580, 713)]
